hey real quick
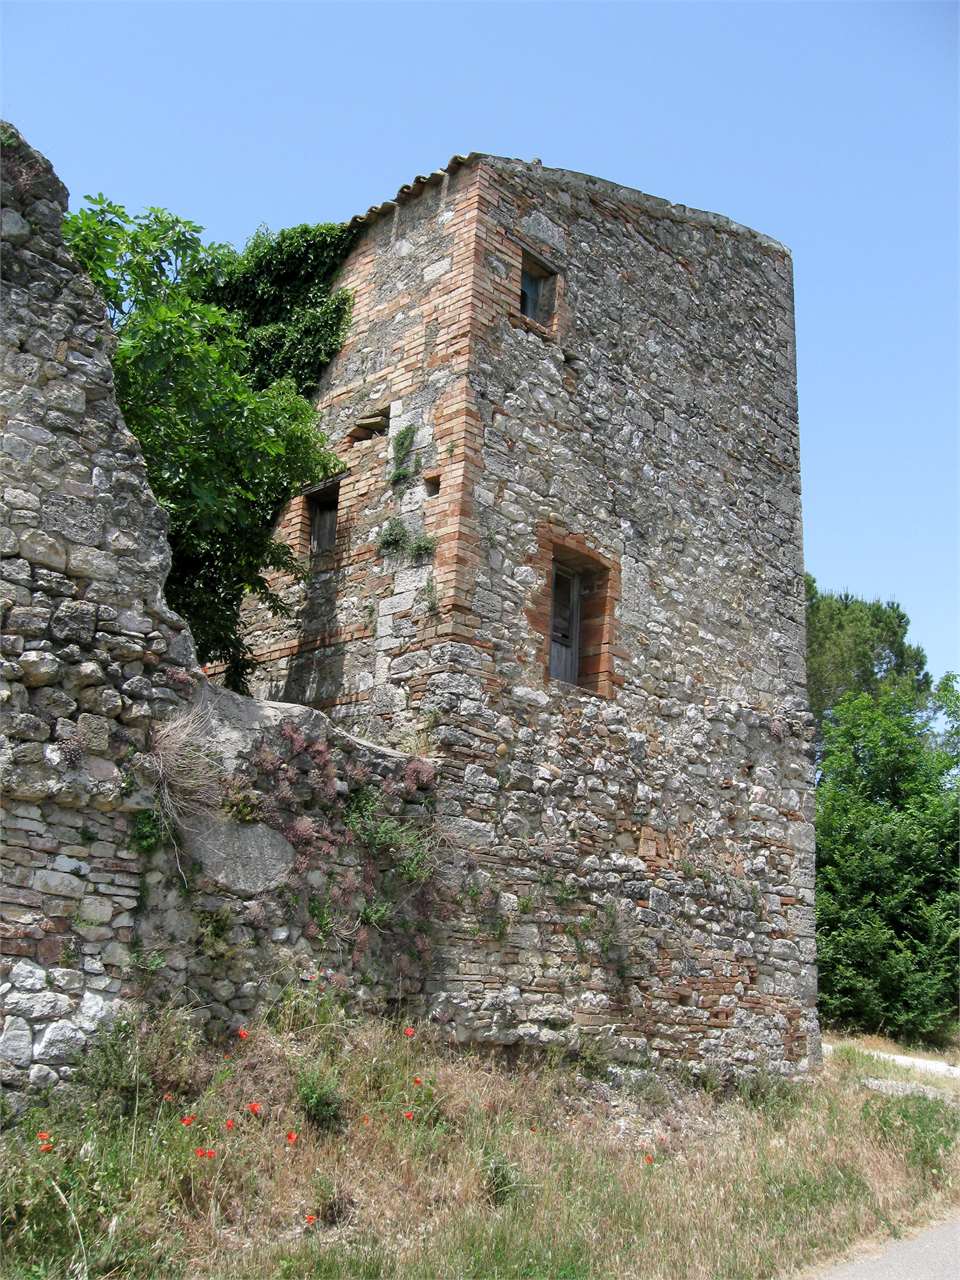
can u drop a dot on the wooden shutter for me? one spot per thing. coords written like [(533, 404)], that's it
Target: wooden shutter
[(565, 626)]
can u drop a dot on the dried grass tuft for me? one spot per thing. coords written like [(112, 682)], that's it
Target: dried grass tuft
[(188, 768)]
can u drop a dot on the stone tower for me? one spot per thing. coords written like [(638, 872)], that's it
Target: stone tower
[(566, 553)]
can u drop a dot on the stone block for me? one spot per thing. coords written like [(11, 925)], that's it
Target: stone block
[(43, 549), (16, 1042), (59, 1042), (59, 883), (248, 858)]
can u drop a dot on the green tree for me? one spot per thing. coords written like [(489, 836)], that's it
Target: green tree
[(858, 646), (226, 442), (887, 882)]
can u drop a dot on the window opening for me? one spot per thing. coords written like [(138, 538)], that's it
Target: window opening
[(370, 425), (323, 520), (432, 485), (565, 642), (537, 290)]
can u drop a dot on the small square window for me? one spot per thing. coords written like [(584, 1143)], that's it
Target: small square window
[(432, 486), (323, 506), (538, 290)]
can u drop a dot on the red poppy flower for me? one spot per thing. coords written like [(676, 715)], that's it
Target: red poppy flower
[(231, 1124), (209, 1154), (311, 1219), (291, 1137), (199, 1151), (187, 1120), (409, 1032), (648, 1158), (242, 1032), (168, 1097), (254, 1108), (46, 1146), (408, 1115), (417, 1080), (43, 1136)]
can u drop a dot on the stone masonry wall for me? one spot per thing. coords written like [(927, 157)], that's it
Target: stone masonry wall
[(360, 627), (657, 828), (632, 857), (298, 853), (628, 859)]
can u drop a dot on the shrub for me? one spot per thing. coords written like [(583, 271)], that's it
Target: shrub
[(320, 1098)]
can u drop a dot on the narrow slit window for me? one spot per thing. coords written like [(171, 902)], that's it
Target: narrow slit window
[(537, 290), (323, 521), (565, 626)]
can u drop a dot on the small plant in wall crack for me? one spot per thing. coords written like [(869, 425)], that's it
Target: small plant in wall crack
[(402, 449), (396, 540)]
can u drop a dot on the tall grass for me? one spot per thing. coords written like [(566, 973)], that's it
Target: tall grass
[(356, 1150)]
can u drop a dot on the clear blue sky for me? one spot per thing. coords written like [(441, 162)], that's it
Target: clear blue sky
[(832, 127)]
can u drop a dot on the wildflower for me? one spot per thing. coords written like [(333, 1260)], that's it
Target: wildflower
[(408, 1115), (291, 1137), (168, 1097), (242, 1033), (254, 1108), (198, 1151), (46, 1146), (231, 1124), (366, 1119), (417, 1080), (409, 1032), (648, 1158), (209, 1154), (43, 1136), (187, 1120), (311, 1219)]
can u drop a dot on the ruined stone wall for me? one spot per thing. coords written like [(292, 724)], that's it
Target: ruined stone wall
[(284, 851), (632, 857), (91, 654)]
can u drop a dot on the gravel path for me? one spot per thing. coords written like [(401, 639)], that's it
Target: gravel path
[(934, 1254)]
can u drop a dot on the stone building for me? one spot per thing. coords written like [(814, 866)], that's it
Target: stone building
[(565, 551), (563, 559)]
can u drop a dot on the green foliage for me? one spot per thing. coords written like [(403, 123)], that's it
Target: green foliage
[(279, 287), (227, 438), (422, 546), (402, 447), (923, 1129), (887, 892), (320, 1098), (858, 646), (148, 831), (320, 914), (394, 537), (382, 833)]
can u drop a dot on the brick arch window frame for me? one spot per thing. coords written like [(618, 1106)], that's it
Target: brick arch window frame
[(559, 548)]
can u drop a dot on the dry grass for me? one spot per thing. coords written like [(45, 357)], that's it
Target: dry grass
[(521, 1171), (949, 1053), (185, 764)]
